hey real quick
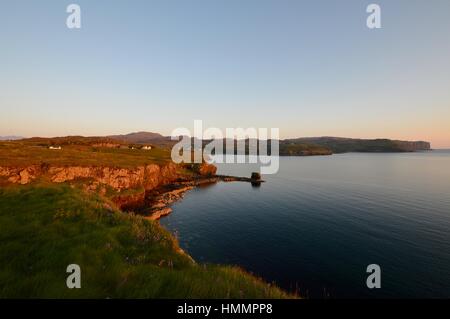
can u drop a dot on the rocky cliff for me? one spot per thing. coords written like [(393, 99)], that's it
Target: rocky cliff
[(413, 146), (148, 176), (129, 186)]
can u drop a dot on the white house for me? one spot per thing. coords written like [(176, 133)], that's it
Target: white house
[(147, 147), (54, 147)]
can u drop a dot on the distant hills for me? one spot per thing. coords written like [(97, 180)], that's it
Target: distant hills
[(303, 146), (344, 145), (139, 137), (10, 138)]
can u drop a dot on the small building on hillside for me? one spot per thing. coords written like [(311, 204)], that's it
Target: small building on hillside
[(54, 147), (146, 147)]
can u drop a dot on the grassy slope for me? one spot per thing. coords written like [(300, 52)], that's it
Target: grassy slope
[(43, 228)]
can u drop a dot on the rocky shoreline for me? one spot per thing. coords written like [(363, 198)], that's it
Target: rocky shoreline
[(147, 190), (157, 203)]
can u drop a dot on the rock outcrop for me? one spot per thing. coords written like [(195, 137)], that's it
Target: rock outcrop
[(129, 201), (256, 176), (22, 176), (148, 190), (148, 177), (207, 169), (160, 201)]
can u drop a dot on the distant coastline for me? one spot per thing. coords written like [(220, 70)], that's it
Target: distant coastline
[(302, 146), (10, 138)]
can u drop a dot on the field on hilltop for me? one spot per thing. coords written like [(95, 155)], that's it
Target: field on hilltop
[(31, 152)]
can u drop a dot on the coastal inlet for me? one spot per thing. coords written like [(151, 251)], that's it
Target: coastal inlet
[(158, 201)]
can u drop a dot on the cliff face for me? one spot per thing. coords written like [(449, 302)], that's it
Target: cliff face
[(130, 185), (19, 176), (207, 169), (413, 146), (148, 177)]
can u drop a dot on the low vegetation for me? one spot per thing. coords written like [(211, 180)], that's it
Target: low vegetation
[(45, 227)]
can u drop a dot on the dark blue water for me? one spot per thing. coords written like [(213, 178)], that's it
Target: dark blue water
[(316, 225)]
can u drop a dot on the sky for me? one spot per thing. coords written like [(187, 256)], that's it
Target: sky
[(309, 68)]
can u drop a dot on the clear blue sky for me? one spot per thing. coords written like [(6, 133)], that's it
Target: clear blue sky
[(308, 67)]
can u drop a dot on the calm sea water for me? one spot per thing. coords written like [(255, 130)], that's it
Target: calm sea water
[(318, 223)]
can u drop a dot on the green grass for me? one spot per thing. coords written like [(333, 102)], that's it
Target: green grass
[(45, 227)]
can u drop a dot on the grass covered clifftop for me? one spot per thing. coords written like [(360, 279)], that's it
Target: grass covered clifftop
[(61, 206), (46, 227), (36, 151)]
